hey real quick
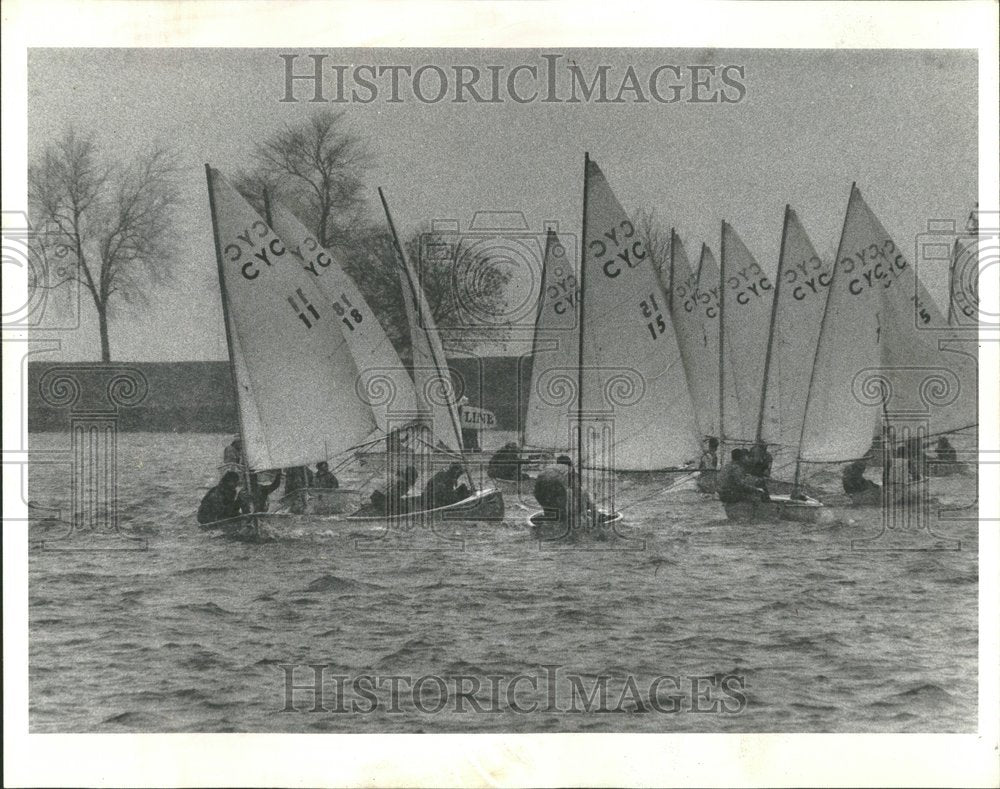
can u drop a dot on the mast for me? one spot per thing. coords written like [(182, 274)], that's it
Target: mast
[(819, 339), (670, 294), (951, 283), (438, 363), (722, 336), (534, 335), (579, 375), (770, 331), (245, 465)]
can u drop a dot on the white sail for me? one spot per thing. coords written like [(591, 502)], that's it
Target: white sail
[(708, 300), (928, 367), (384, 381), (701, 364), (632, 373), (963, 285), (746, 317), (295, 373), (841, 416), (799, 302), (555, 352), (434, 389)]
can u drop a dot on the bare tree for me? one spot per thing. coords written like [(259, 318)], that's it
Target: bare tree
[(468, 306), (109, 222), (655, 235), (317, 168)]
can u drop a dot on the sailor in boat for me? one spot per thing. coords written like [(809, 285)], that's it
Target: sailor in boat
[(506, 463), (708, 465), (297, 478), (444, 488), (554, 489), (256, 499), (324, 478), (912, 452), (221, 502), (758, 463), (735, 484), (944, 451), (390, 501), (234, 452), (861, 490)]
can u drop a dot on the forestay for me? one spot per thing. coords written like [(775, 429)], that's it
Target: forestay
[(555, 352), (435, 392), (295, 373), (631, 366)]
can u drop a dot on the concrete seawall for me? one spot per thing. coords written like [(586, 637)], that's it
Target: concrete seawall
[(199, 396)]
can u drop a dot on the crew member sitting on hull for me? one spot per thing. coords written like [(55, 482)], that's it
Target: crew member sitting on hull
[(734, 484), (506, 463), (390, 502), (758, 463), (708, 465), (556, 489), (861, 490), (324, 477), (444, 488), (259, 494), (220, 503), (944, 451), (297, 478), (912, 452)]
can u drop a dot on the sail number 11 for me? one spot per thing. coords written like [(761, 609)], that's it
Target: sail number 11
[(651, 311)]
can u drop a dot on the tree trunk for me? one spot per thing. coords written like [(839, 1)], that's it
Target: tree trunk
[(102, 323)]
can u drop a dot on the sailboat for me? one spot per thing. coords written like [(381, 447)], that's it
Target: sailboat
[(796, 322), (633, 409), (382, 382), (881, 337), (435, 402), (302, 396)]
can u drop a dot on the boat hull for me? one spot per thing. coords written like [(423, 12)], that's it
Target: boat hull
[(551, 529), (260, 527), (780, 507), (320, 501), (483, 505)]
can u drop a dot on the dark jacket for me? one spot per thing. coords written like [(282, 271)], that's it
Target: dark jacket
[(217, 505), (734, 484)]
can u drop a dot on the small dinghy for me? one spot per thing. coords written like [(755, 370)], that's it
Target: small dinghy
[(780, 507), (319, 501), (260, 527), (549, 528), (482, 505)]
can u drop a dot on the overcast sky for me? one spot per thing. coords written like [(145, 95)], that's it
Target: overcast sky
[(900, 123)]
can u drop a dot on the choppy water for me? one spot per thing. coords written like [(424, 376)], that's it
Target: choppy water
[(192, 634)]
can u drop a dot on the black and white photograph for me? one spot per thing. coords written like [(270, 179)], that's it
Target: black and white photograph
[(463, 383)]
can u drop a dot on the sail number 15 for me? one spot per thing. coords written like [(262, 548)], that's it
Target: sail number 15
[(651, 312)]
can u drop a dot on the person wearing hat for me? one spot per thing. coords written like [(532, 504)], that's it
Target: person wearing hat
[(234, 452), (325, 478), (221, 502)]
